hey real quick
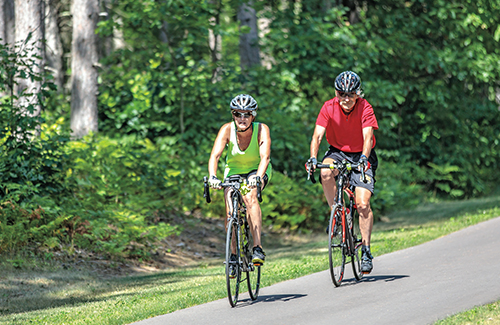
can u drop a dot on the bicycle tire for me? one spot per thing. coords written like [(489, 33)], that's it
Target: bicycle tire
[(232, 280), (336, 246), (355, 235), (252, 272)]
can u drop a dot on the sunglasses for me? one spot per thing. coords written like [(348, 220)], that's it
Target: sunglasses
[(242, 115), (344, 95)]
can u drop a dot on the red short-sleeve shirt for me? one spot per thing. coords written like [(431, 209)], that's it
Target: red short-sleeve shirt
[(345, 132)]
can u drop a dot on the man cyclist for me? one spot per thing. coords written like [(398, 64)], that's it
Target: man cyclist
[(349, 123), (248, 155)]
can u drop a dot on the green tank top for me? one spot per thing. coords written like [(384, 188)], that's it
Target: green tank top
[(242, 162)]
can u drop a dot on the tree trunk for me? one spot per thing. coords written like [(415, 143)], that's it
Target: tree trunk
[(7, 19), (83, 68), (53, 44), (497, 96), (249, 42), (215, 41), (2, 22), (29, 31), (353, 6)]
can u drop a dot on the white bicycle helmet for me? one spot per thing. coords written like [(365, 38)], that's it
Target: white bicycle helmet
[(348, 82), (244, 102)]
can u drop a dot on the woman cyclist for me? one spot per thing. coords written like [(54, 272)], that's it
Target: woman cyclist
[(248, 155)]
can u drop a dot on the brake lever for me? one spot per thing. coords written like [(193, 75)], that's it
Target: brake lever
[(259, 195), (363, 175), (310, 172), (206, 189)]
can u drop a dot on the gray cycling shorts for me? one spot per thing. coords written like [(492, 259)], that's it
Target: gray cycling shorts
[(353, 157)]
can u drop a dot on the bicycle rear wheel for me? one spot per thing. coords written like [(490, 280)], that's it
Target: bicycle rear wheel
[(336, 246), (233, 268), (252, 271), (356, 246)]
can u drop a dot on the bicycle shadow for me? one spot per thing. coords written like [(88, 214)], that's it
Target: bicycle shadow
[(287, 297), (374, 278), (269, 298)]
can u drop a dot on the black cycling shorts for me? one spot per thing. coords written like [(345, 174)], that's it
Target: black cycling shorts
[(264, 179), (353, 157)]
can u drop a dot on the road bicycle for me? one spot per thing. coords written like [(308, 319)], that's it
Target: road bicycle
[(344, 236), (239, 241)]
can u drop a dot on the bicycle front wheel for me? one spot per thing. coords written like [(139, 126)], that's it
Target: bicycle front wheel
[(252, 272), (336, 246), (233, 268), (253, 282), (356, 246)]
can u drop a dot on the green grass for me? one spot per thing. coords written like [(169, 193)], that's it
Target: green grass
[(58, 296), (482, 315)]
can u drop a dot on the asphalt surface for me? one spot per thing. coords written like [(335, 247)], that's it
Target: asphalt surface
[(418, 285)]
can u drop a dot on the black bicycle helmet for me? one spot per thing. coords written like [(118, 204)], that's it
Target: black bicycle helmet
[(348, 82), (244, 102)]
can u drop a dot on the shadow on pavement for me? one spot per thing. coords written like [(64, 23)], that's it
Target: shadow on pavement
[(347, 282), (386, 278), (269, 298)]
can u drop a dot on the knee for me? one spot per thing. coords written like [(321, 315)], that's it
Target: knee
[(251, 199), (363, 208), (327, 175)]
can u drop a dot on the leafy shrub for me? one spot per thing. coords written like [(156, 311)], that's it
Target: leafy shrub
[(31, 159), (15, 226), (104, 195), (293, 205), (126, 192), (396, 188)]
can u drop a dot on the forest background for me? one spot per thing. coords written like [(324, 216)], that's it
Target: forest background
[(109, 109)]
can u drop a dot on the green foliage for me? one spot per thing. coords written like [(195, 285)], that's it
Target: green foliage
[(161, 86), (30, 165), (32, 157), (396, 187), (429, 68), (102, 195), (19, 227), (123, 196), (293, 205), (428, 82), (127, 191)]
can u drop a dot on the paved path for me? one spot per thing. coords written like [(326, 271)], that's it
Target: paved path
[(418, 285)]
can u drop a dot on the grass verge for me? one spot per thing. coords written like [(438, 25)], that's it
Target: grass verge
[(62, 296), (488, 314)]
